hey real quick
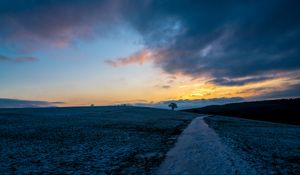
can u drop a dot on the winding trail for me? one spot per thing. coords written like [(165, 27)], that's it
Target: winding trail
[(199, 150)]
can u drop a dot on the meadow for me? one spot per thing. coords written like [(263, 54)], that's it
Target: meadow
[(87, 140)]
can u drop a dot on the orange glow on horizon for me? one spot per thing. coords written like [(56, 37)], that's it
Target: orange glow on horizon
[(181, 88)]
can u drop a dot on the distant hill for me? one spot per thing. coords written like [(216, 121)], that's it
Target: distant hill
[(280, 111)]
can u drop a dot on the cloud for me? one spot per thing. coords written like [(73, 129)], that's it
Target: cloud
[(25, 59), (17, 59), (241, 81), (139, 57), (186, 104), (34, 24), (16, 103), (165, 86), (4, 58), (226, 40), (292, 92)]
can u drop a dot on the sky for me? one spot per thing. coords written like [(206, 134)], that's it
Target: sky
[(151, 52)]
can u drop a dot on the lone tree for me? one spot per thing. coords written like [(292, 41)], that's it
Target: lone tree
[(173, 106)]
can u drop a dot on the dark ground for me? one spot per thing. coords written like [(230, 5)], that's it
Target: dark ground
[(280, 111)]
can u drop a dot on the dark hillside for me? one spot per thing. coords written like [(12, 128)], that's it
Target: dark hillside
[(280, 111)]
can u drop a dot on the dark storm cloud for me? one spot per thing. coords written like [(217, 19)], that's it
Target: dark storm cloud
[(234, 42), (228, 39), (16, 103)]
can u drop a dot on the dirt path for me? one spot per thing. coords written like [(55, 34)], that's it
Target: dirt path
[(199, 150)]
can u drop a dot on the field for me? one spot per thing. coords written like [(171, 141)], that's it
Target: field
[(133, 140), (87, 140), (269, 148)]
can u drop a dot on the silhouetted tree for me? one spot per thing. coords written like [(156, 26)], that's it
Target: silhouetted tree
[(173, 106)]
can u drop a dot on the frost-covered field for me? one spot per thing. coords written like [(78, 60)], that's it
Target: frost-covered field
[(91, 140), (131, 140), (269, 148)]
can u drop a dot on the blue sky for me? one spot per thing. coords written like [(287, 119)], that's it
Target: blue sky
[(78, 67)]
